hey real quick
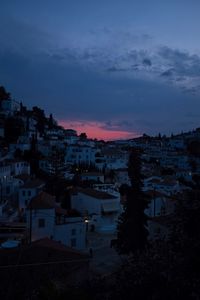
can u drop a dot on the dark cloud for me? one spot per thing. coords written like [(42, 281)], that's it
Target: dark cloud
[(81, 82), (21, 37), (147, 62), (182, 62), (168, 73)]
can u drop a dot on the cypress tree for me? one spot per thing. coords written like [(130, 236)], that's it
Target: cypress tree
[(132, 224)]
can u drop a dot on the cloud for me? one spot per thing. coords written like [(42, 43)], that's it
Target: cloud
[(104, 50), (18, 36), (117, 79), (147, 62), (168, 73)]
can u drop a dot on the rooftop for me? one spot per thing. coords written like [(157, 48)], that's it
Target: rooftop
[(41, 251), (42, 201)]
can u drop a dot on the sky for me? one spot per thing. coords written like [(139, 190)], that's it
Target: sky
[(112, 69)]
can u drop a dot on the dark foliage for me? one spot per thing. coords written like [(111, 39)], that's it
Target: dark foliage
[(168, 268), (13, 128), (132, 225), (194, 148), (4, 95)]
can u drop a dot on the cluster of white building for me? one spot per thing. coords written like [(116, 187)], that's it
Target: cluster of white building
[(96, 208)]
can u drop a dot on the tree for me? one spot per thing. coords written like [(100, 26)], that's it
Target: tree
[(4, 95), (40, 117), (51, 121), (132, 232), (66, 199), (194, 148), (13, 128), (83, 136)]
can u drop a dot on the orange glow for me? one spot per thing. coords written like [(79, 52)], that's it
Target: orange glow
[(96, 130)]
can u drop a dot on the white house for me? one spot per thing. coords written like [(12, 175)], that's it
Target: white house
[(47, 219), (21, 146), (100, 209), (10, 106), (122, 176), (5, 170), (159, 204), (167, 185), (114, 158), (78, 154), (183, 173), (19, 167), (71, 136), (29, 190), (96, 176), (177, 143)]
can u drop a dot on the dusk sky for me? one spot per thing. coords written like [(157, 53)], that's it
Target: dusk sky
[(112, 69)]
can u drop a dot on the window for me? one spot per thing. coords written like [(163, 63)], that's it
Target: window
[(41, 223), (29, 193), (73, 242), (24, 193), (8, 190), (73, 231)]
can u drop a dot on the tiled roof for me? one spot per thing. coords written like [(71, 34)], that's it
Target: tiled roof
[(48, 243), (37, 252), (42, 201), (60, 210)]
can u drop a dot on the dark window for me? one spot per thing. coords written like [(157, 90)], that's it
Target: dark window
[(73, 242), (29, 193), (73, 231), (24, 193), (41, 223), (7, 190)]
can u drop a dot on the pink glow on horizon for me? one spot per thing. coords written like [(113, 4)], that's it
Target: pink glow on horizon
[(96, 130)]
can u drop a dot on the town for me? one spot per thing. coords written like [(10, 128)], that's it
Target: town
[(61, 193)]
